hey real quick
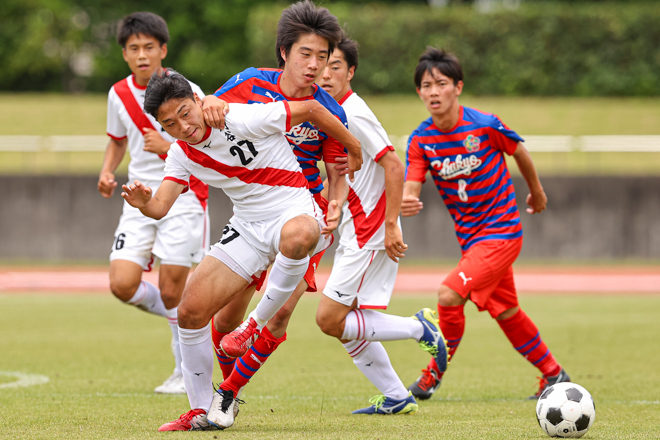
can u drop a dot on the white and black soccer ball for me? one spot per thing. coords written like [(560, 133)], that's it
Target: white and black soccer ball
[(565, 409)]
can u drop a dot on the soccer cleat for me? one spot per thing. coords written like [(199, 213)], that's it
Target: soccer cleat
[(386, 406), (238, 342), (432, 340), (545, 382), (172, 385), (425, 385), (222, 412), (193, 420)]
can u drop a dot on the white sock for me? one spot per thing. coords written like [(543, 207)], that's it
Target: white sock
[(147, 298), (176, 347), (373, 361), (197, 366), (282, 281), (370, 325)]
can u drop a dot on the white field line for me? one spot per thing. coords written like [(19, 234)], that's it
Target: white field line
[(23, 379)]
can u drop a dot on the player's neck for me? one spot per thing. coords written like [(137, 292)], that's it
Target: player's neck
[(448, 120), (141, 81), (290, 90)]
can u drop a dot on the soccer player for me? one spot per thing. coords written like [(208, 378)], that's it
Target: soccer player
[(180, 238), (306, 35), (464, 148), (366, 261), (275, 217)]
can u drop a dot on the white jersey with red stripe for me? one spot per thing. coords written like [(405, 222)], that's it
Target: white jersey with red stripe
[(250, 160), (363, 220), (147, 167)]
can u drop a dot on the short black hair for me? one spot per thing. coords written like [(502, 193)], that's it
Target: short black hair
[(164, 86), (350, 49), (447, 63), (305, 18), (146, 23)]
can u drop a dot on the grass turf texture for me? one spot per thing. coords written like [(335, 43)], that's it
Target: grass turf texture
[(85, 115), (104, 359)]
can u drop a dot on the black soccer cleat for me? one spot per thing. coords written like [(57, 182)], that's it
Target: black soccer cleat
[(425, 385), (545, 382)]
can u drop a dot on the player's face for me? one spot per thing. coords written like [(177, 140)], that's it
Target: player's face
[(144, 56), (336, 78), (305, 62), (439, 93), (183, 119)]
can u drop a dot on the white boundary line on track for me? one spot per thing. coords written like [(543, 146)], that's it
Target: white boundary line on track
[(23, 379)]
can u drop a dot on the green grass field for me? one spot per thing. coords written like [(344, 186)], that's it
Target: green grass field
[(85, 115), (104, 359)]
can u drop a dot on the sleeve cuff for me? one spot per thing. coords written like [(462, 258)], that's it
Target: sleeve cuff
[(179, 181), (116, 137), (383, 152)]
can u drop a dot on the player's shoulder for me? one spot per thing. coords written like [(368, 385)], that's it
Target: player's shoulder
[(422, 128), (356, 108), (197, 90), (481, 118), (328, 101)]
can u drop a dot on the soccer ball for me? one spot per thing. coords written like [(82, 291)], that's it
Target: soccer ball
[(565, 409)]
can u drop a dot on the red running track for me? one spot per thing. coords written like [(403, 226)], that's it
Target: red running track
[(409, 280)]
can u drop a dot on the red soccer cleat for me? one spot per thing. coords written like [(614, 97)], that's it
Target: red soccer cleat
[(193, 420), (238, 342)]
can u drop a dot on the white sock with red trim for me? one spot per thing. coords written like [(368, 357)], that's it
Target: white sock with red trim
[(147, 298), (372, 360), (197, 365), (176, 347), (370, 325), (282, 281)]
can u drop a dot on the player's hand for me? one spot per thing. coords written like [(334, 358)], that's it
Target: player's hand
[(354, 164), (341, 165), (537, 202), (394, 245), (154, 142), (136, 194), (214, 110), (107, 184), (331, 218), (410, 206)]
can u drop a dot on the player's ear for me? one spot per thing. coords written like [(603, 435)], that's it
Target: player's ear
[(197, 100), (459, 88), (163, 49), (283, 53), (351, 73), (123, 53)]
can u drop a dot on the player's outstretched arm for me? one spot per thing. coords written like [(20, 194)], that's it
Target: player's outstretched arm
[(410, 204), (314, 112), (114, 153), (140, 196), (394, 172), (536, 199), (337, 192), (214, 110)]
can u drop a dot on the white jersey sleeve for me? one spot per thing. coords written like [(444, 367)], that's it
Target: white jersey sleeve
[(176, 168), (370, 133), (115, 128), (252, 121)]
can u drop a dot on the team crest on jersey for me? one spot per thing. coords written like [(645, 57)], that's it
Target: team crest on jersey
[(471, 143)]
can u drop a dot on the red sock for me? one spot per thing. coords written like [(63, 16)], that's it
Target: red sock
[(452, 324), (525, 337), (226, 363), (247, 365)]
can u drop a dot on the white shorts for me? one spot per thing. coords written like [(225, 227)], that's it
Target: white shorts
[(253, 246), (367, 275), (179, 240)]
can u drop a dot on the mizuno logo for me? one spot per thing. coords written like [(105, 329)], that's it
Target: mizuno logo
[(465, 279), (369, 364), (198, 374), (269, 298), (340, 294), (207, 145)]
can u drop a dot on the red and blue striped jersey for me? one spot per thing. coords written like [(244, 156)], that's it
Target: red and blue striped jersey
[(308, 142), (468, 167)]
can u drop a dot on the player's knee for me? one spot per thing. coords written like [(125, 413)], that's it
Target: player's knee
[(329, 325), (224, 324), (122, 289), (171, 297), (507, 313), (299, 237), (448, 297), (190, 317)]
